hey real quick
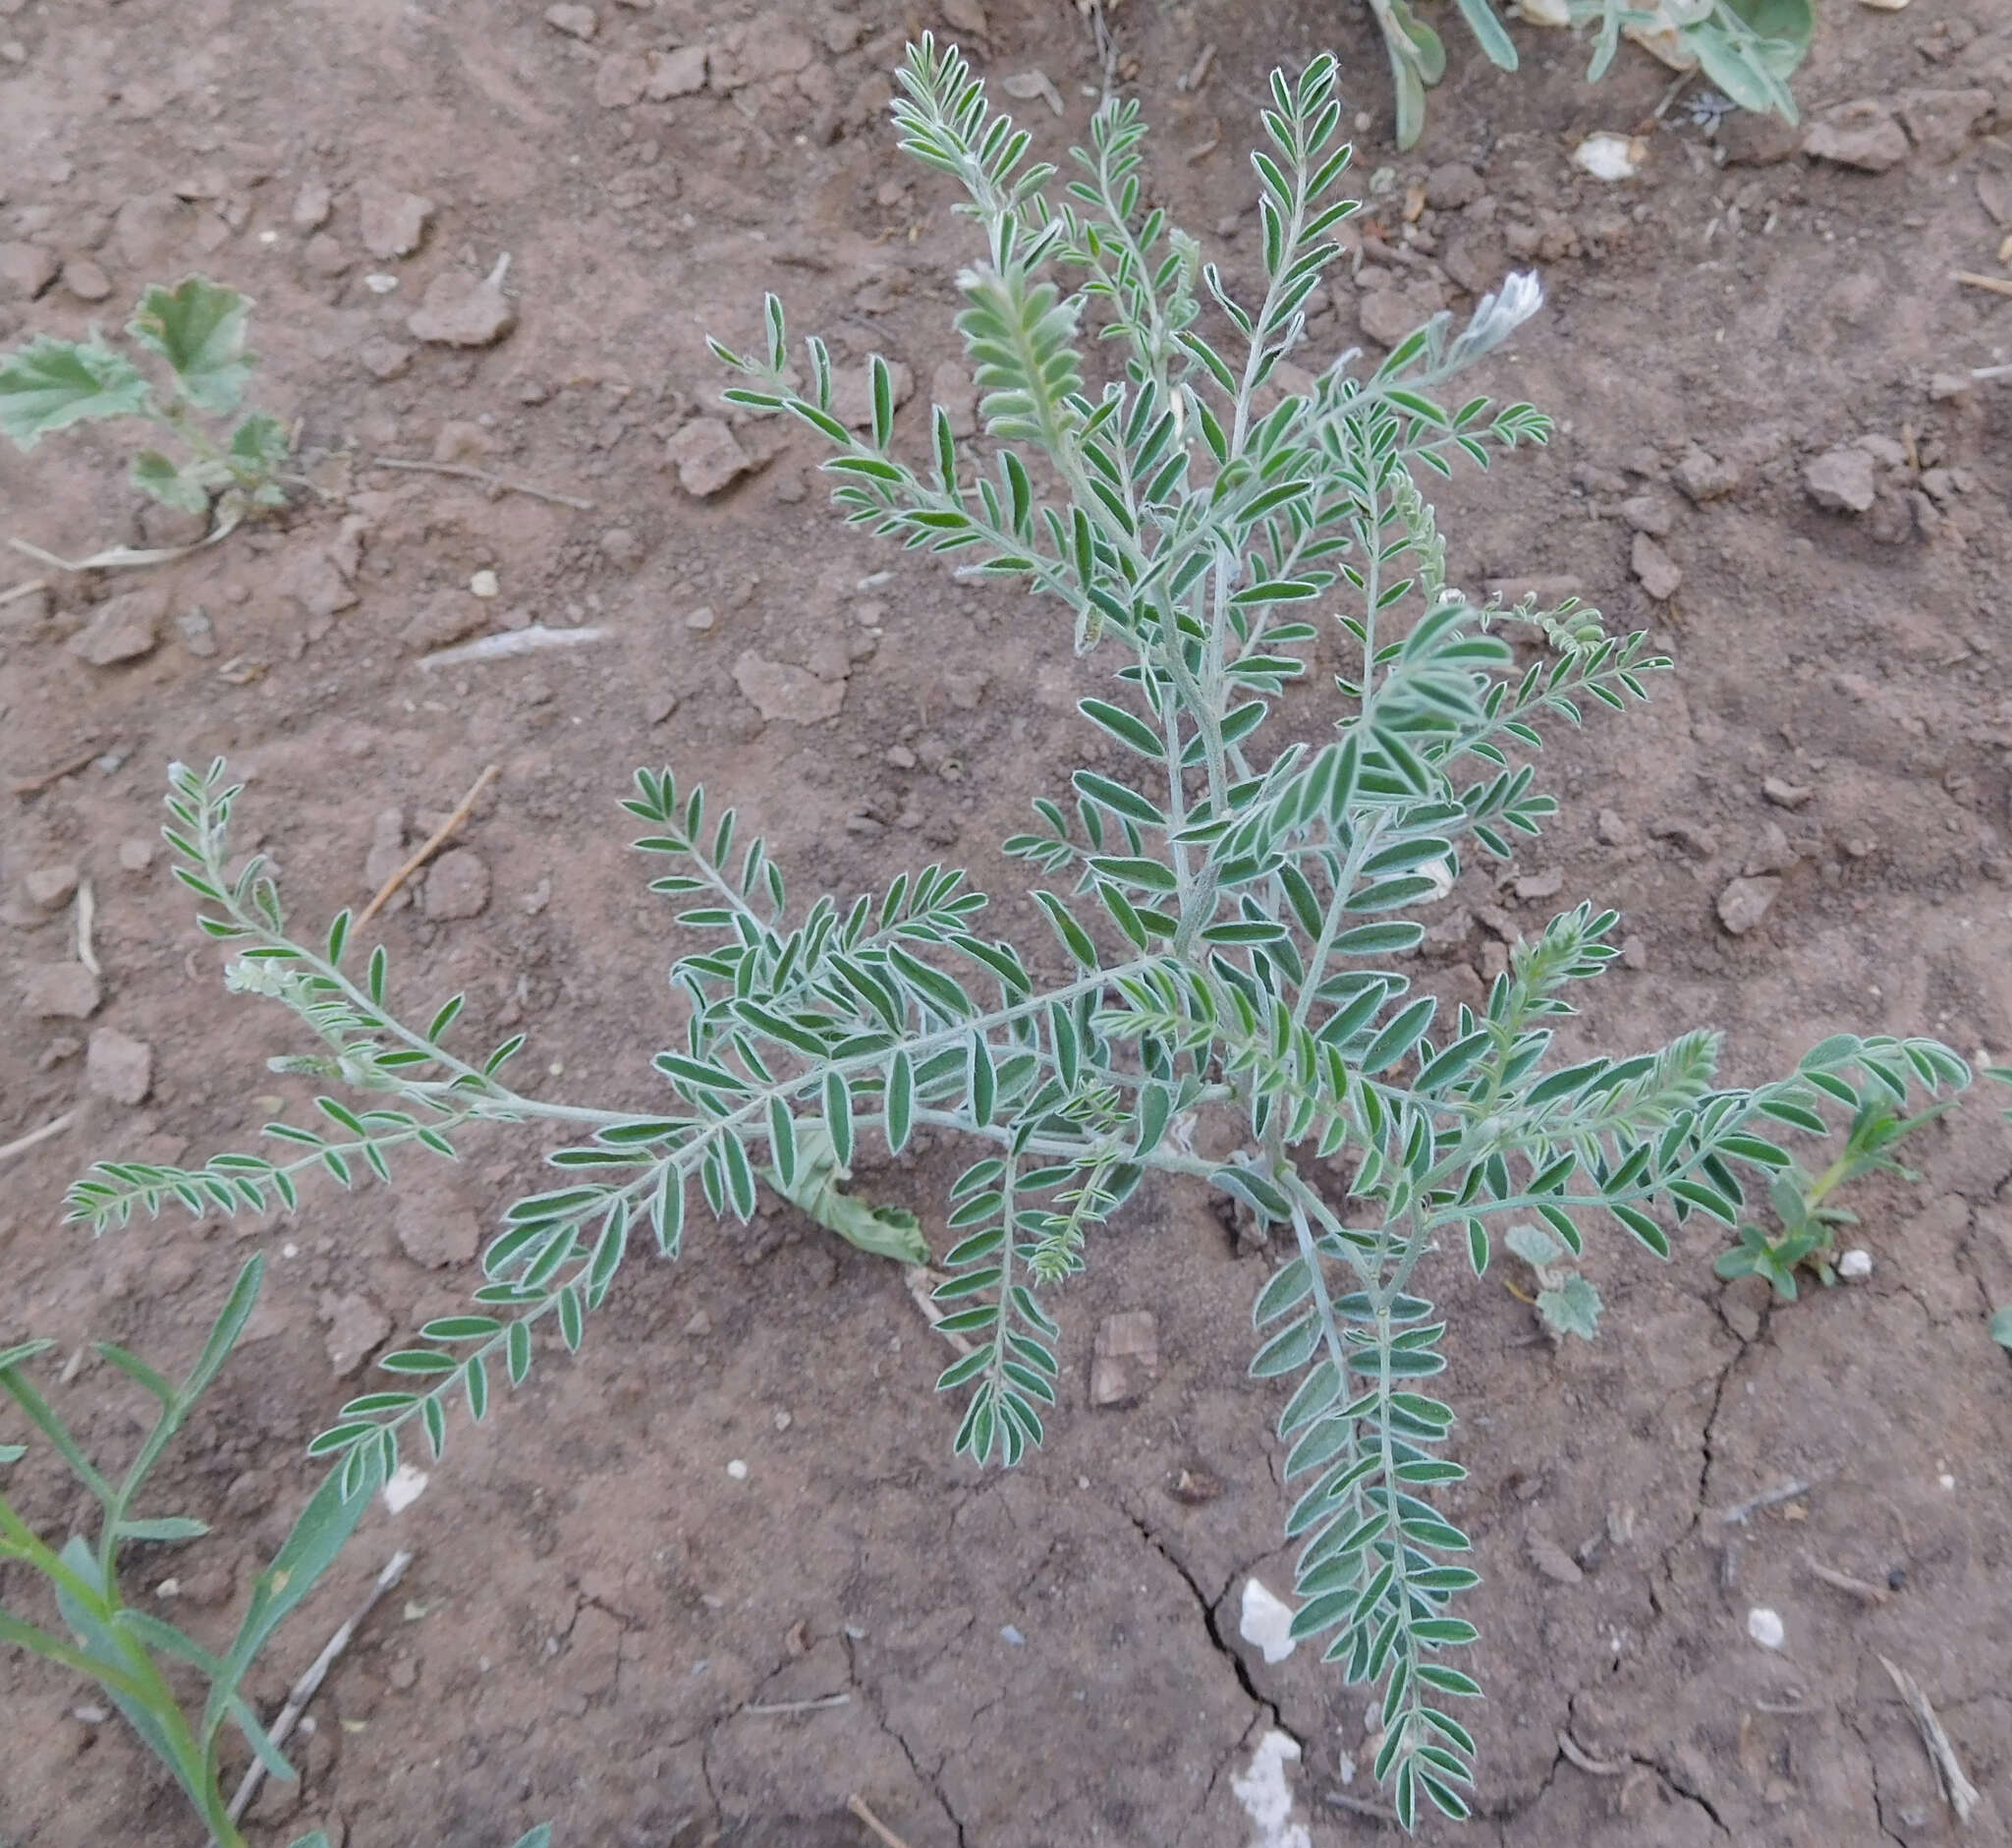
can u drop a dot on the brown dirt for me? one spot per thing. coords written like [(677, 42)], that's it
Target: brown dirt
[(600, 1619)]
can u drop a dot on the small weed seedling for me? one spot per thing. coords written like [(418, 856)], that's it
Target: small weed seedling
[(125, 1650), (1807, 1234), (1229, 910), (1748, 49), (197, 329), (1565, 1302)]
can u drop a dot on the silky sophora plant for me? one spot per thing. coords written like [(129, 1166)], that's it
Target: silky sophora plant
[(1229, 910)]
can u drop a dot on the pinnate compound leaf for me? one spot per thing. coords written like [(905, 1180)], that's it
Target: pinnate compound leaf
[(51, 383), (199, 327)]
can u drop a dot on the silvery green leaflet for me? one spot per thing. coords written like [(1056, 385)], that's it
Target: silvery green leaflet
[(1230, 915), (1747, 48)]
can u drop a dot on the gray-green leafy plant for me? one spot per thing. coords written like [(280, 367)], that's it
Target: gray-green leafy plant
[(1806, 1236), (1229, 909), (197, 331), (127, 1650), (1748, 49), (1565, 1302)]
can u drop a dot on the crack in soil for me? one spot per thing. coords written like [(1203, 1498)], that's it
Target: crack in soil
[(927, 1779), (1851, 1720), (1211, 1622)]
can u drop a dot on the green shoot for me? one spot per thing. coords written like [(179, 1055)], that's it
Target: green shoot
[(1807, 1233), (196, 330), (1748, 49)]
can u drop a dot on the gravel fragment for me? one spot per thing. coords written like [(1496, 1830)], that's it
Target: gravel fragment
[(1659, 574), (355, 1326), (778, 690), (86, 280), (25, 270), (126, 628), (460, 310), (1840, 481), (706, 457), (394, 223), (1785, 795), (312, 205), (1745, 902), (119, 1067), (60, 991), (575, 21), (49, 887), (1703, 476), (457, 885), (1125, 1358), (677, 72), (1861, 134)]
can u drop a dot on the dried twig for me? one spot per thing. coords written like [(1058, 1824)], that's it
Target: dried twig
[(1975, 371), (1737, 1514), (797, 1706), (21, 1145), (87, 915), (1997, 285), (427, 851), (1359, 1805), (1961, 1792), (126, 557), (887, 1837), (302, 1690), (1586, 1762), (462, 471), (35, 785), (921, 1281), (1844, 1582), (508, 641), (21, 590)]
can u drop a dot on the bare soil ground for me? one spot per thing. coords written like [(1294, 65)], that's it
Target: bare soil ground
[(605, 1628)]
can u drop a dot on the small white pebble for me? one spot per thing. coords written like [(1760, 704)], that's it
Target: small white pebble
[(290, 1249), (380, 284), (168, 1588), (406, 1487), (1855, 1264), (782, 1421), (1947, 1481), (1268, 1622), (1012, 1637), (1765, 1627), (484, 584), (269, 237), (738, 1469)]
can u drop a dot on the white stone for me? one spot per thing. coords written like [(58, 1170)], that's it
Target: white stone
[(1765, 1627), (1268, 1796), (1855, 1264), (406, 1487), (1266, 1621)]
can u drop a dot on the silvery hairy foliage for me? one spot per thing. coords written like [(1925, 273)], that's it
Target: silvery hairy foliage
[(1230, 915)]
